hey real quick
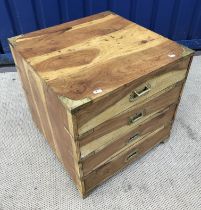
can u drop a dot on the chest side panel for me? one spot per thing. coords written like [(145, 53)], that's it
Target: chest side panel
[(50, 116)]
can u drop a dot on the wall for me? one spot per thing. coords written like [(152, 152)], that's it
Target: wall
[(179, 20)]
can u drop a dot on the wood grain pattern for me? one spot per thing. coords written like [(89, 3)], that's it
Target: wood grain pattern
[(149, 108), (27, 89), (123, 139), (43, 103), (103, 110), (92, 83), (124, 52), (119, 160)]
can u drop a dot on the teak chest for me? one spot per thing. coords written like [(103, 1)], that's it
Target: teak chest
[(102, 90)]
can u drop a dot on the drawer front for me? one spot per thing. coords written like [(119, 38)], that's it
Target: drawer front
[(126, 140), (125, 157), (126, 121), (95, 114)]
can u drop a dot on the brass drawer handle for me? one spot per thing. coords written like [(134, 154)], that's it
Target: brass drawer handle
[(133, 138), (132, 155), (139, 92), (135, 118)]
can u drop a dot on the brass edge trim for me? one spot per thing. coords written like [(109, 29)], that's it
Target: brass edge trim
[(12, 40), (187, 51), (74, 105)]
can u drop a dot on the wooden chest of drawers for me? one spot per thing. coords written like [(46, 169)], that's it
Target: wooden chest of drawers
[(102, 90)]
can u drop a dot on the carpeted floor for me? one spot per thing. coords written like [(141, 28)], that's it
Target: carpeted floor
[(168, 177)]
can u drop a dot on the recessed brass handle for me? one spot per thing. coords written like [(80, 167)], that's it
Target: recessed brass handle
[(135, 117), (139, 92), (133, 138), (132, 155)]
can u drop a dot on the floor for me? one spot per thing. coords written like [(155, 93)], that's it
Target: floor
[(168, 177)]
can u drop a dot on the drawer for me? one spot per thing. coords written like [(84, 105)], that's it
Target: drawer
[(129, 119), (123, 158), (99, 112), (126, 140)]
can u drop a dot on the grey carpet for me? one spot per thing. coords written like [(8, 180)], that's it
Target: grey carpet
[(168, 177)]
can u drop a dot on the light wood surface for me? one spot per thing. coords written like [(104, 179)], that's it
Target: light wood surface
[(50, 117), (106, 109), (120, 122), (123, 158), (114, 52), (93, 83), (123, 139)]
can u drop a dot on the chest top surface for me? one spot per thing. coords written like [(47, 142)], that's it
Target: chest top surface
[(93, 56)]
